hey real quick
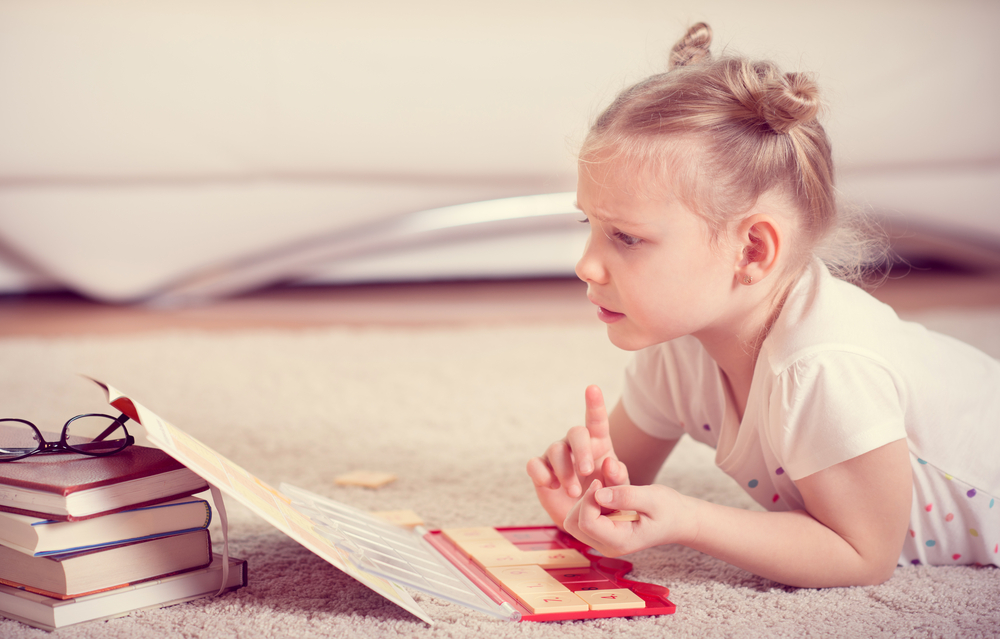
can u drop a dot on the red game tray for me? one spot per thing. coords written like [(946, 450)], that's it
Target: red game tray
[(604, 573)]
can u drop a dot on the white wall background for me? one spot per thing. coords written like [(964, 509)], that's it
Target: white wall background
[(147, 143)]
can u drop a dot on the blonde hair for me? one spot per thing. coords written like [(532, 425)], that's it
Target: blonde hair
[(727, 131)]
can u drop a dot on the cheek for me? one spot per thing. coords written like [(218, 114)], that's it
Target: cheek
[(707, 271)]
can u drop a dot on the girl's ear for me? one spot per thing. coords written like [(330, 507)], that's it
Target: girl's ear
[(762, 243)]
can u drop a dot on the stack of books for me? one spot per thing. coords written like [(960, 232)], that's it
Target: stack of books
[(84, 538)]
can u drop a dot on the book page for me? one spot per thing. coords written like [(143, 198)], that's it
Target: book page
[(239, 484)]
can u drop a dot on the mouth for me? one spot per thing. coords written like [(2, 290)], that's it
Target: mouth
[(606, 315)]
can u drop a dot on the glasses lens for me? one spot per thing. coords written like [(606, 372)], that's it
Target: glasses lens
[(17, 439), (96, 434)]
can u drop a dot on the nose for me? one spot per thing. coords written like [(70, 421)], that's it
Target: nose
[(589, 268)]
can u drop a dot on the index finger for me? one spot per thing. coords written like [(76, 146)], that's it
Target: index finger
[(596, 417)]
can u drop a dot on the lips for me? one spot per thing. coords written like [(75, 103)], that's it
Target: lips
[(607, 316)]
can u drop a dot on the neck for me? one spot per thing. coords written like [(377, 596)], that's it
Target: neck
[(737, 361), (735, 344)]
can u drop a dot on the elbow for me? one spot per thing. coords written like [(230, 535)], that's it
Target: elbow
[(876, 573), (855, 578), (851, 579), (873, 580), (871, 572), (882, 574)]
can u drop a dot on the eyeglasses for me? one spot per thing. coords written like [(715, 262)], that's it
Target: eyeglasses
[(91, 434)]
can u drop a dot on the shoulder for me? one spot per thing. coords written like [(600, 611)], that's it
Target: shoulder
[(826, 316), (822, 314)]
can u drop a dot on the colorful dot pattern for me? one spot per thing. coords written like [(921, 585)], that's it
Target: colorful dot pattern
[(960, 525)]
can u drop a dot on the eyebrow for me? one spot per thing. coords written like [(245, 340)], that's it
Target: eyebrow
[(599, 218)]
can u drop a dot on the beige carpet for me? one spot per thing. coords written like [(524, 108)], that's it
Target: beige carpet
[(455, 413)]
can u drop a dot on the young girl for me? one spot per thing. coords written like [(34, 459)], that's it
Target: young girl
[(870, 441)]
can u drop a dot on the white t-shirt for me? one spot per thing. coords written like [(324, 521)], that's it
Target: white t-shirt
[(840, 375)]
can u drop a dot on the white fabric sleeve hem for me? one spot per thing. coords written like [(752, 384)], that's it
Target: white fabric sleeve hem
[(860, 444), (831, 407)]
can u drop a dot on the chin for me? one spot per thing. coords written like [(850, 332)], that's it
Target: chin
[(627, 342)]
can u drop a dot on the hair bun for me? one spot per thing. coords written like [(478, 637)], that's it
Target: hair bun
[(693, 47), (789, 101)]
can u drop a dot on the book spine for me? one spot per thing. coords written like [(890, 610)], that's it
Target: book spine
[(50, 614)]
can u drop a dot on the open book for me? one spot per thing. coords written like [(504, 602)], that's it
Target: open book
[(312, 521)]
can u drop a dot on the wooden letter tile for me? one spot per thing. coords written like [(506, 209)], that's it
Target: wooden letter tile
[(509, 558), (623, 515), (526, 580), (619, 599), (474, 548), (456, 535), (510, 574), (366, 478), (561, 558), (538, 586), (404, 518), (554, 602)]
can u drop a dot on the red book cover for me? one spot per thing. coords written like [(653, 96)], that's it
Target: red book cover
[(65, 474)]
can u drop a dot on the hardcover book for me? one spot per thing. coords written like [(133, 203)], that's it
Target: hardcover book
[(39, 536), (48, 613), (72, 487), (83, 573)]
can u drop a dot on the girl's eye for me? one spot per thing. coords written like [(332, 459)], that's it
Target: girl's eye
[(585, 220), (626, 239)]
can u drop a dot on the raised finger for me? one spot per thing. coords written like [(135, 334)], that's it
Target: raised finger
[(597, 414)]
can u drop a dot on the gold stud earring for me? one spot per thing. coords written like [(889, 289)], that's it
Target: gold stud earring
[(747, 279)]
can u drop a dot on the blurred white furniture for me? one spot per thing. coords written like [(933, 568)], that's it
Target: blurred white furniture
[(165, 151)]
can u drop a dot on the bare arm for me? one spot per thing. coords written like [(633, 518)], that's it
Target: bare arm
[(851, 533), (641, 453)]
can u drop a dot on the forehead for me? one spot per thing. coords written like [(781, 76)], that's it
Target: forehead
[(614, 192)]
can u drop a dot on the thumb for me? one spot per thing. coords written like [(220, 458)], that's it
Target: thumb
[(623, 498)]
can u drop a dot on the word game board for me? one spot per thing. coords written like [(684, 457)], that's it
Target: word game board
[(547, 575)]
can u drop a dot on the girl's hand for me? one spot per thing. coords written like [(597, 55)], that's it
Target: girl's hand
[(586, 453), (665, 517)]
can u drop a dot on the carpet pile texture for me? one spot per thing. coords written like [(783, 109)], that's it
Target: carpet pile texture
[(455, 413)]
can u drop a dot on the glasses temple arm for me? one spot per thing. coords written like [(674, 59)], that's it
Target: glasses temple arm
[(120, 421)]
